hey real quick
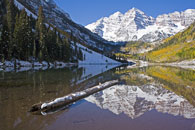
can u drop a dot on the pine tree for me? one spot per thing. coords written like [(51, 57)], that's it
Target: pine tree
[(17, 38), (51, 44), (67, 50), (23, 37), (59, 44), (34, 53), (41, 35), (80, 55), (32, 21), (2, 13), (11, 14), (4, 41), (29, 36), (55, 46)]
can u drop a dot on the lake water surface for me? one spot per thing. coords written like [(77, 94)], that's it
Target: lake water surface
[(147, 98)]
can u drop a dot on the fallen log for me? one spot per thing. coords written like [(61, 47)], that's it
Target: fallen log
[(71, 98)]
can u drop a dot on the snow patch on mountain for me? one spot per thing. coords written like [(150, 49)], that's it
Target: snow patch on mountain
[(136, 25), (92, 57)]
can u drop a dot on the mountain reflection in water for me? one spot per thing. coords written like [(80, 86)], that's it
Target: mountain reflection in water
[(134, 101)]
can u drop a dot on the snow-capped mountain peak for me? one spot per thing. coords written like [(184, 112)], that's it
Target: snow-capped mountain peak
[(119, 27), (116, 15), (139, 17), (136, 25), (134, 11)]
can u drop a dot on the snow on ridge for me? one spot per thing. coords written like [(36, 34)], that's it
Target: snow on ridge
[(20, 7), (136, 25)]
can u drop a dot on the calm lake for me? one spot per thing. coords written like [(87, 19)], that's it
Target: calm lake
[(147, 98)]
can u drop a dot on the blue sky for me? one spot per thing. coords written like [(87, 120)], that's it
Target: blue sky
[(88, 11)]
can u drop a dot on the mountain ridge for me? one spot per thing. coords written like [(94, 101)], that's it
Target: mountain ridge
[(136, 25), (62, 20)]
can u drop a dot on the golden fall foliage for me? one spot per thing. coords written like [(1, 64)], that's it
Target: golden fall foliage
[(176, 48)]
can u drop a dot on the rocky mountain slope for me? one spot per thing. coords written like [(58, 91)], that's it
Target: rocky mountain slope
[(60, 19), (136, 25)]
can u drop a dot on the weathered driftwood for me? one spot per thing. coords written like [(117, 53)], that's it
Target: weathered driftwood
[(66, 100)]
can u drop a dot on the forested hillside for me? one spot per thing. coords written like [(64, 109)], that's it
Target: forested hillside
[(135, 47), (25, 37), (176, 48)]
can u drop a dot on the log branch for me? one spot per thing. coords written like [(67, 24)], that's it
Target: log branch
[(73, 97)]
